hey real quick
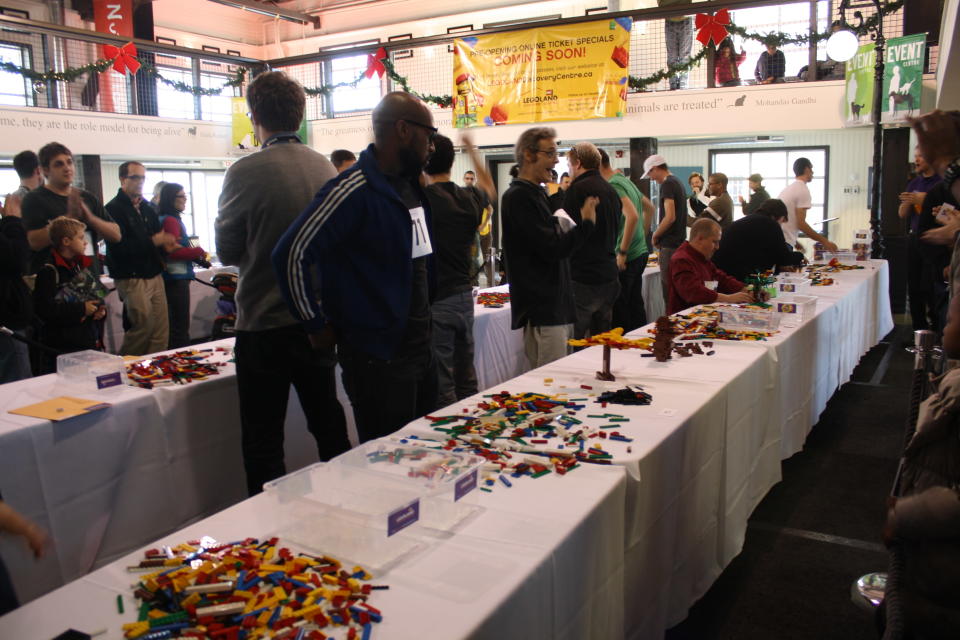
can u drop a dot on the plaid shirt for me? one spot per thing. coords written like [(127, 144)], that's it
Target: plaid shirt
[(767, 66)]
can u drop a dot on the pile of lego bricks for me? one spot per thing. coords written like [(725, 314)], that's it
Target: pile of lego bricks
[(175, 368), (249, 590), (493, 299)]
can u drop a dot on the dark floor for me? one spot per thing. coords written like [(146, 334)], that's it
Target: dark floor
[(819, 529)]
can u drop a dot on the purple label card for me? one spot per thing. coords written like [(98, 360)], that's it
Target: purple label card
[(465, 485), (403, 517), (108, 380)]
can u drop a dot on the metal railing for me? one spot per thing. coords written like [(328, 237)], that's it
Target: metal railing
[(426, 62), (44, 47)]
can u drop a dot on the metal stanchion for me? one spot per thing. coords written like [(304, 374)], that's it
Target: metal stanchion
[(873, 588)]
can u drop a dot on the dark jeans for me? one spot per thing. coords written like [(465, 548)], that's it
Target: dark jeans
[(628, 310), (178, 312), (387, 394), (453, 346), (593, 305), (14, 358), (918, 291), (268, 362)]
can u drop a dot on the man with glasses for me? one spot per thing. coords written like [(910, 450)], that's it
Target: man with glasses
[(357, 268), (538, 250), (136, 264)]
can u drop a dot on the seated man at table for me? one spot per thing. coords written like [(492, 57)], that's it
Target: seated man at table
[(755, 243), (694, 279)]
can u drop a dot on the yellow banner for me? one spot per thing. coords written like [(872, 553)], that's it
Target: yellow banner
[(568, 72), (242, 137)]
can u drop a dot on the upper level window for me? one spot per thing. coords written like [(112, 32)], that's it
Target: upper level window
[(15, 90), (363, 97)]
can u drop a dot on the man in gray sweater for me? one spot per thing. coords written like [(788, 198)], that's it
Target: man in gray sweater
[(262, 195)]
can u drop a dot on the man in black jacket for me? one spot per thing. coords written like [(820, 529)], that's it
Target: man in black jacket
[(537, 249), (755, 243), (136, 264), (593, 266)]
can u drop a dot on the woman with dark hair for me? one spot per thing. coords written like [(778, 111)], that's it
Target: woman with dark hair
[(179, 269), (755, 243), (726, 65)]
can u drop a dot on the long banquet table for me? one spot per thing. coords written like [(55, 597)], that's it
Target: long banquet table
[(704, 453)]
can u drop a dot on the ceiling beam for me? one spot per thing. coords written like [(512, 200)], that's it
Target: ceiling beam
[(271, 11)]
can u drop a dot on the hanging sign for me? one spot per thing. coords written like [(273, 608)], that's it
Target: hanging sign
[(858, 101), (902, 77), (568, 72)]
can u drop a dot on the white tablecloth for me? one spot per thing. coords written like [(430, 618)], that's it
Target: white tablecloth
[(704, 454), (498, 350), (542, 562)]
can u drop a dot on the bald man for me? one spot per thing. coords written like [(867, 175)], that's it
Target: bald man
[(356, 269), (694, 279)]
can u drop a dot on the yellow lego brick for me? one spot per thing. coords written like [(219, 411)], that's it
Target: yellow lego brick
[(264, 617), (308, 612), (193, 598), (279, 593), (270, 568), (330, 579), (156, 613), (135, 629), (268, 554)]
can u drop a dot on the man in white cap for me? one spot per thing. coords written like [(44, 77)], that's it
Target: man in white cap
[(672, 230)]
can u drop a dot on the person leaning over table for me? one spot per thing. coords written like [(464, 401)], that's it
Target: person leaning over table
[(755, 243), (691, 270)]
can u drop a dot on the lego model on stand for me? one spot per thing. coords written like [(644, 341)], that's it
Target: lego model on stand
[(612, 339)]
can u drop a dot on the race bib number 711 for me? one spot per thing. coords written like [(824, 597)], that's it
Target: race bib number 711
[(421, 236)]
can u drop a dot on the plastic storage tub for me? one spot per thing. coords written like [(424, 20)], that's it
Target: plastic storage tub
[(90, 370)]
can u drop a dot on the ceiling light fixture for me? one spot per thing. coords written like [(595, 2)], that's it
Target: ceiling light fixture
[(270, 11)]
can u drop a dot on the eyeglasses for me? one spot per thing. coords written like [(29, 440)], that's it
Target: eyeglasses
[(181, 195), (550, 153), (136, 178), (433, 130)]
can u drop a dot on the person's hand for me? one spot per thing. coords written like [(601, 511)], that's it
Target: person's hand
[(75, 207), (203, 262), (913, 197), (165, 241), (37, 538), (101, 312), (655, 239), (944, 235), (323, 340), (588, 211), (740, 297), (829, 246), (621, 261), (742, 201), (938, 136), (90, 307)]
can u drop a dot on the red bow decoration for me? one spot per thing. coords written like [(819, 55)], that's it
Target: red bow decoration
[(374, 66), (124, 58), (712, 27)]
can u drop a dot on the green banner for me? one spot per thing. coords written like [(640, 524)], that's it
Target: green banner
[(858, 104), (902, 77)]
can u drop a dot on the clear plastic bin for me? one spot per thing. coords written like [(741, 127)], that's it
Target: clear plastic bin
[(349, 513), (793, 286), (745, 319), (90, 371), (447, 480), (799, 306)]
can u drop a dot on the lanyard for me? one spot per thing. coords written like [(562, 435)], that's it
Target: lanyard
[(280, 137)]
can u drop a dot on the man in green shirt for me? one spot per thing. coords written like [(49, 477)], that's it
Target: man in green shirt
[(631, 247)]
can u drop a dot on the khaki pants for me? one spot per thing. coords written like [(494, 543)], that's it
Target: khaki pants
[(546, 344), (145, 301)]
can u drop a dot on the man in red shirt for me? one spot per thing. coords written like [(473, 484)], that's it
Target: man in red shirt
[(694, 279)]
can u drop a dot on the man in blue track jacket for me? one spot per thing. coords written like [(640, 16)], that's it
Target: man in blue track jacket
[(357, 269)]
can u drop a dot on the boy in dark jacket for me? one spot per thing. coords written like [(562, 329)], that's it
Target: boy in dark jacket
[(68, 298)]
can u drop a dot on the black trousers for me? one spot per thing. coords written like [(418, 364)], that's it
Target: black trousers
[(629, 311), (387, 394), (178, 312), (268, 362)]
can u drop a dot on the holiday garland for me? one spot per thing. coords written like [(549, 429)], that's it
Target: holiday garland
[(385, 64)]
